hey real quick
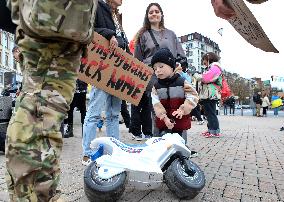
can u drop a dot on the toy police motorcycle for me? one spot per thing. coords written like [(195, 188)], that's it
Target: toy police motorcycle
[(146, 166)]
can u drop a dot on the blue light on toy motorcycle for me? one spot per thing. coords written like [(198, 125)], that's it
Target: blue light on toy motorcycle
[(97, 153)]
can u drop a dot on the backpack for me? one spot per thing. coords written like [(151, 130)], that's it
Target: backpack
[(223, 87), (68, 20)]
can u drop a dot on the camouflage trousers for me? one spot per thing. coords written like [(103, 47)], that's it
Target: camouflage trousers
[(34, 142)]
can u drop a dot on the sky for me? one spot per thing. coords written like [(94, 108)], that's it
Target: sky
[(238, 56)]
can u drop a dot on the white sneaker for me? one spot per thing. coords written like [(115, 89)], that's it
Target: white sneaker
[(140, 137), (193, 154)]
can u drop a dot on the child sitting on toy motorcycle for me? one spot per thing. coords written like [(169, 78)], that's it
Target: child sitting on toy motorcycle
[(173, 97)]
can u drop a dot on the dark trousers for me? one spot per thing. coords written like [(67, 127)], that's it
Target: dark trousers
[(232, 109), (264, 110), (225, 109), (210, 112), (125, 113), (196, 112), (141, 116), (78, 101)]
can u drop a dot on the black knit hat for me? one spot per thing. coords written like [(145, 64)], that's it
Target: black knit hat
[(165, 56)]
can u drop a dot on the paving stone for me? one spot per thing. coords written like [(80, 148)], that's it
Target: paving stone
[(246, 164), (218, 184), (233, 192), (248, 198)]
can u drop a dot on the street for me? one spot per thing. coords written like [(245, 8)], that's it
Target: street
[(245, 164)]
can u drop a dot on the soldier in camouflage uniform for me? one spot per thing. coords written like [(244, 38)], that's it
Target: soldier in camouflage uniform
[(34, 142)]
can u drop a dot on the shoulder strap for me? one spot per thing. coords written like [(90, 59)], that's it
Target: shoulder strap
[(154, 39)]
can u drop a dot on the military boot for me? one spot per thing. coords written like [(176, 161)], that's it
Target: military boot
[(69, 131)]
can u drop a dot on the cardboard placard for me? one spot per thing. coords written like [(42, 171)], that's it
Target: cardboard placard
[(117, 72), (247, 26)]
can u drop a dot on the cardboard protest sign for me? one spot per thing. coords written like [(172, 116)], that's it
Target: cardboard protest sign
[(116, 72), (247, 26)]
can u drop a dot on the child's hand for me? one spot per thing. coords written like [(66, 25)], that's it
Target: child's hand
[(170, 124), (178, 113)]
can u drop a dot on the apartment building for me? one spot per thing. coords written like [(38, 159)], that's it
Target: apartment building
[(195, 45), (9, 68)]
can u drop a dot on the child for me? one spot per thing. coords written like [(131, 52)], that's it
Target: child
[(208, 91), (172, 97)]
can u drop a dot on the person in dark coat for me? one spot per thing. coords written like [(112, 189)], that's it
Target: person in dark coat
[(78, 101), (6, 21)]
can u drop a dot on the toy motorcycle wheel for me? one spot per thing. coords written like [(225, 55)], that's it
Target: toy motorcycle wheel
[(181, 183), (97, 189)]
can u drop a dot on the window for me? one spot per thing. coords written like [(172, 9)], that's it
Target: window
[(189, 37), (7, 41), (202, 46), (189, 45), (189, 53), (1, 78), (190, 60), (0, 57), (6, 60)]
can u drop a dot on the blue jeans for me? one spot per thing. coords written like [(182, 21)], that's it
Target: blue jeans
[(276, 109), (100, 100)]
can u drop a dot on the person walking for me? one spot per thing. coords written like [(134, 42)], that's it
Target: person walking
[(231, 103), (252, 106), (150, 38), (108, 24), (258, 103), (265, 104), (208, 91), (225, 106)]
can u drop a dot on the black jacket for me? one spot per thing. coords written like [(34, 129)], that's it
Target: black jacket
[(104, 24), (5, 18)]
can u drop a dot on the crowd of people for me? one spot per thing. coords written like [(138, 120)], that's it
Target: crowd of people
[(261, 102), (49, 66)]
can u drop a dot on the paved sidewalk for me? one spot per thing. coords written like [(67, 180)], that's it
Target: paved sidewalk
[(246, 164)]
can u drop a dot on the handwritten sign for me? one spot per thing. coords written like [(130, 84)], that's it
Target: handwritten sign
[(247, 26), (116, 72)]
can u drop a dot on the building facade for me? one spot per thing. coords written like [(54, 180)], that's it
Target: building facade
[(195, 45), (9, 68)]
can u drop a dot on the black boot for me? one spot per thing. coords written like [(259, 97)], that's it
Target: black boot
[(69, 131)]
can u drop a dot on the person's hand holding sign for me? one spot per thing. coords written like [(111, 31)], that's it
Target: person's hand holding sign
[(113, 44), (222, 9)]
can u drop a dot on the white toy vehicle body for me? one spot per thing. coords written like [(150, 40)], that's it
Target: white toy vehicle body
[(147, 166)]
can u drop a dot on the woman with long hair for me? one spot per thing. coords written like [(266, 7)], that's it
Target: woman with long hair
[(108, 24), (151, 37)]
